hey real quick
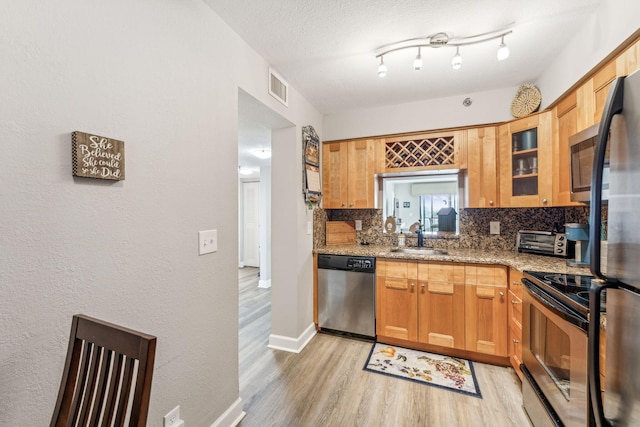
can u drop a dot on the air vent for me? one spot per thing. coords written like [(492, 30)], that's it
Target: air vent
[(278, 88)]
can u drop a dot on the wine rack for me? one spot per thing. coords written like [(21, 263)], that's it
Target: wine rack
[(435, 151)]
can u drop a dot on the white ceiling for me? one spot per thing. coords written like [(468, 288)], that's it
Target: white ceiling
[(326, 48)]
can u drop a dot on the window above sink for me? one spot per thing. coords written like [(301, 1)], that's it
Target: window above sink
[(411, 201)]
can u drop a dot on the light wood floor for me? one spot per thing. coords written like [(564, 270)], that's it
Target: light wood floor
[(325, 385)]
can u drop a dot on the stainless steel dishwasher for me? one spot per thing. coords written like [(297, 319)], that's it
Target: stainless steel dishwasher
[(347, 294)]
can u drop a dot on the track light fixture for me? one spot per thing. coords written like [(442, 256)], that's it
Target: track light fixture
[(438, 40)]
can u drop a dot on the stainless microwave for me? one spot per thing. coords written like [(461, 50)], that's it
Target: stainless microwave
[(582, 147)]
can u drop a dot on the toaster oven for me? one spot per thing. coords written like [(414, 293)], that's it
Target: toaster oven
[(544, 243)]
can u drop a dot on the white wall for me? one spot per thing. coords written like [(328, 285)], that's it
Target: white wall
[(612, 23), (487, 107), (163, 77)]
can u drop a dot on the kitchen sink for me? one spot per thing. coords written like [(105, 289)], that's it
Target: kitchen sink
[(420, 251)]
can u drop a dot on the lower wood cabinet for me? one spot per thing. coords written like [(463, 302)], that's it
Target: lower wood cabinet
[(515, 320), (441, 304), (486, 309), (444, 305), (396, 307)]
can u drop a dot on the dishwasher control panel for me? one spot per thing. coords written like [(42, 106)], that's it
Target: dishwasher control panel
[(360, 263), (364, 264)]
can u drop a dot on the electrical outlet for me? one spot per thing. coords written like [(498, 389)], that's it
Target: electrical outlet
[(358, 225), (494, 227), (309, 227), (208, 241), (172, 419)]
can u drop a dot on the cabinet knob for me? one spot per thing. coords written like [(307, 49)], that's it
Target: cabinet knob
[(351, 204), (490, 202), (343, 205), (501, 294), (514, 302), (422, 286), (515, 341), (412, 285), (544, 201), (515, 283)]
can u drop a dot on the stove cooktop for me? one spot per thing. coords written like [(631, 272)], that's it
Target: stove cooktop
[(571, 289)]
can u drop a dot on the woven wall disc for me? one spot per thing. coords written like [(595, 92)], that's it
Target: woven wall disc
[(526, 101)]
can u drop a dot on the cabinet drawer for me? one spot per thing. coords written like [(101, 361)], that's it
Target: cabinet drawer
[(441, 272), (491, 275), (515, 310), (515, 349), (515, 282), (397, 268)]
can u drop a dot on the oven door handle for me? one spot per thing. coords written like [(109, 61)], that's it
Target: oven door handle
[(557, 309)]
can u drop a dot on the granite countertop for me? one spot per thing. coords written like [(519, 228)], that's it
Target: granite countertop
[(516, 260)]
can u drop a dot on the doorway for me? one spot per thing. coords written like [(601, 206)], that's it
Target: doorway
[(250, 225)]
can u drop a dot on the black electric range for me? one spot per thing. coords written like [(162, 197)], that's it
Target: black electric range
[(572, 290)]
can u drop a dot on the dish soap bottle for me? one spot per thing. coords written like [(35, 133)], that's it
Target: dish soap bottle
[(401, 239)]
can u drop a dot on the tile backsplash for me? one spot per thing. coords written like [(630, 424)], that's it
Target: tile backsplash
[(474, 226)]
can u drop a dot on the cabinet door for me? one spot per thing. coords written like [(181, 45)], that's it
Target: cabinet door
[(566, 124), (526, 161), (360, 177), (486, 309), (482, 160), (441, 304), (601, 84), (334, 175), (396, 306)]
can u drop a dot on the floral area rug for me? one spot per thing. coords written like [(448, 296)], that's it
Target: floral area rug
[(446, 372)]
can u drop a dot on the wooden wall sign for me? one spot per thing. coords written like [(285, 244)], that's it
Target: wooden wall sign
[(95, 156)]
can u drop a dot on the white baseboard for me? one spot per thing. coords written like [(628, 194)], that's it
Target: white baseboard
[(264, 283), (232, 416), (241, 264), (292, 345)]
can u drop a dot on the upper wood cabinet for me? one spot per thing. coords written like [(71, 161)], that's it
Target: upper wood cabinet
[(526, 161), (423, 151), (565, 124), (482, 167), (348, 174), (592, 95)]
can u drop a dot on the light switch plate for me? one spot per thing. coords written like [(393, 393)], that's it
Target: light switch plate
[(309, 227), (208, 241), (494, 227)]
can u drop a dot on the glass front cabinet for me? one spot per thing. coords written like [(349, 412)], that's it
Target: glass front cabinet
[(526, 161)]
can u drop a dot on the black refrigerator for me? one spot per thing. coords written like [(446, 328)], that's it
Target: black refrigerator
[(619, 140)]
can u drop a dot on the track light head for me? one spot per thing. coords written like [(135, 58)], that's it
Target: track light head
[(382, 69), (503, 50), (417, 63), (456, 61)]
